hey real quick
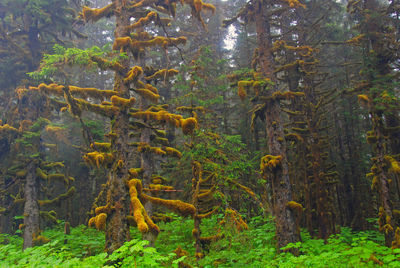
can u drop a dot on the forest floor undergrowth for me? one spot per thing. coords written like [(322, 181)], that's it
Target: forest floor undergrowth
[(254, 247)]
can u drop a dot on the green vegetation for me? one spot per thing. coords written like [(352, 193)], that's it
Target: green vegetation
[(250, 248)]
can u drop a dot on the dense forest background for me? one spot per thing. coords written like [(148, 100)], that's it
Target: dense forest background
[(199, 134)]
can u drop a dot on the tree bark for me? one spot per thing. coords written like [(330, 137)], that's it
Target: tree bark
[(31, 206), (117, 228), (287, 230)]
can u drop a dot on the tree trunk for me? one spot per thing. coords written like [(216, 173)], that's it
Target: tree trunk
[(117, 228), (31, 207), (286, 227)]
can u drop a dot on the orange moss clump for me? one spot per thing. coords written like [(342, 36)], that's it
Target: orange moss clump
[(294, 3), (94, 15), (122, 42), (122, 102), (148, 94), (135, 187), (163, 73), (294, 206), (103, 209), (270, 162), (143, 221), (394, 164), (188, 125), (133, 74), (98, 221), (178, 206), (363, 98), (98, 159)]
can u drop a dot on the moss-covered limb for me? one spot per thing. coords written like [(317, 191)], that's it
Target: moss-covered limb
[(82, 105), (51, 165), (59, 198), (122, 103), (178, 206), (50, 216), (51, 89), (94, 15), (143, 21), (105, 64), (172, 152), (208, 214), (163, 73), (58, 90), (148, 94), (165, 42), (162, 116), (104, 147), (159, 187)]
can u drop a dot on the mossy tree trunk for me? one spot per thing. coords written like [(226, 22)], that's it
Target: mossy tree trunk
[(286, 228), (31, 206), (117, 228)]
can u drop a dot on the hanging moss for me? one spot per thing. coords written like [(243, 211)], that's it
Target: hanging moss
[(98, 221), (270, 161), (188, 125)]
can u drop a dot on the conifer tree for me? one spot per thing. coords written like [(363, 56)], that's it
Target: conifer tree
[(377, 93), (269, 94), (133, 128)]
